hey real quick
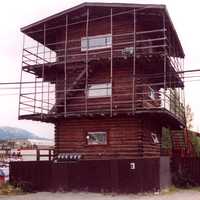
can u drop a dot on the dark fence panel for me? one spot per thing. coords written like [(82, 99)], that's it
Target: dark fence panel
[(91, 175), (144, 178), (185, 171), (37, 175)]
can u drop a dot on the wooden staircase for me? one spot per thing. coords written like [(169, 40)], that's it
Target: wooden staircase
[(182, 145), (79, 79), (78, 82), (178, 143)]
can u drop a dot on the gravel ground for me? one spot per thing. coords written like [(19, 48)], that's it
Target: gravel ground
[(179, 195)]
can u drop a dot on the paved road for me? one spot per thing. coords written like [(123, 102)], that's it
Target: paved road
[(179, 195)]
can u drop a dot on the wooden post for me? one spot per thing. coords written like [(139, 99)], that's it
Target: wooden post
[(86, 65), (37, 154), (111, 62), (134, 61), (49, 154), (65, 69)]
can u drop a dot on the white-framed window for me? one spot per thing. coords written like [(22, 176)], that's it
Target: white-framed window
[(151, 93), (154, 138), (96, 138), (99, 90), (96, 42)]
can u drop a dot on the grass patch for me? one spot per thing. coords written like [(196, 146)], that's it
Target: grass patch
[(7, 189), (197, 189), (170, 190)]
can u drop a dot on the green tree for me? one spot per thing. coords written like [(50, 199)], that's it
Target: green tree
[(189, 123), (189, 117), (195, 143), (166, 142)]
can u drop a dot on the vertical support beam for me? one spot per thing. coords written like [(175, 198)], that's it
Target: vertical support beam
[(50, 60), (35, 95), (164, 60), (37, 154), (183, 92), (183, 105), (134, 61), (86, 63), (179, 102), (44, 43), (35, 92), (65, 69), (170, 68), (111, 62), (49, 154), (50, 56), (21, 73), (48, 97)]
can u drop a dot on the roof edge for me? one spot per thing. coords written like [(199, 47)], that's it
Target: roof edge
[(85, 4), (160, 6)]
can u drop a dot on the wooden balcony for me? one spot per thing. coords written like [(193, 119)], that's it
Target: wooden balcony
[(63, 76), (121, 101)]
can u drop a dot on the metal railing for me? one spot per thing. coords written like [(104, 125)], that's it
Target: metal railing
[(147, 43), (147, 97), (55, 91)]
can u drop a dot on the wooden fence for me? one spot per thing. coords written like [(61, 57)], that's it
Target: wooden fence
[(185, 171), (129, 176)]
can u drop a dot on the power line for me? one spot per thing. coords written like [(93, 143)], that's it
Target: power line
[(157, 75), (187, 71)]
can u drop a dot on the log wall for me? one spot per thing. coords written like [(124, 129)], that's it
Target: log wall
[(122, 90), (99, 67), (128, 137)]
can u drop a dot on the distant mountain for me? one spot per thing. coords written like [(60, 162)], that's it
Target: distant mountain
[(7, 133)]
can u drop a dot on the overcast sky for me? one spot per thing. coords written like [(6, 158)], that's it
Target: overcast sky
[(16, 14)]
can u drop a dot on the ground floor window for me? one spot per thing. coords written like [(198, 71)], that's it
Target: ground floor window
[(96, 137)]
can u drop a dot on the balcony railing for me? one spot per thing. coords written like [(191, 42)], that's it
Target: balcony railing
[(146, 43), (49, 95), (119, 100)]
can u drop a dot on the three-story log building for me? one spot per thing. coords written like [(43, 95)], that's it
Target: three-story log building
[(108, 76)]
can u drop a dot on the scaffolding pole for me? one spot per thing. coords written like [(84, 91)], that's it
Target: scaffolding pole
[(48, 97), (165, 60), (86, 63), (65, 68), (44, 43), (170, 70), (134, 61), (35, 95), (139, 43), (111, 62), (20, 83)]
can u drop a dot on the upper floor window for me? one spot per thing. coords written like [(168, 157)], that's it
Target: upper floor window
[(99, 90), (96, 42)]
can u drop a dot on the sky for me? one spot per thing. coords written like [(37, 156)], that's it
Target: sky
[(16, 14)]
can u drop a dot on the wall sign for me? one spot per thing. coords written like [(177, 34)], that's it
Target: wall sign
[(132, 165)]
